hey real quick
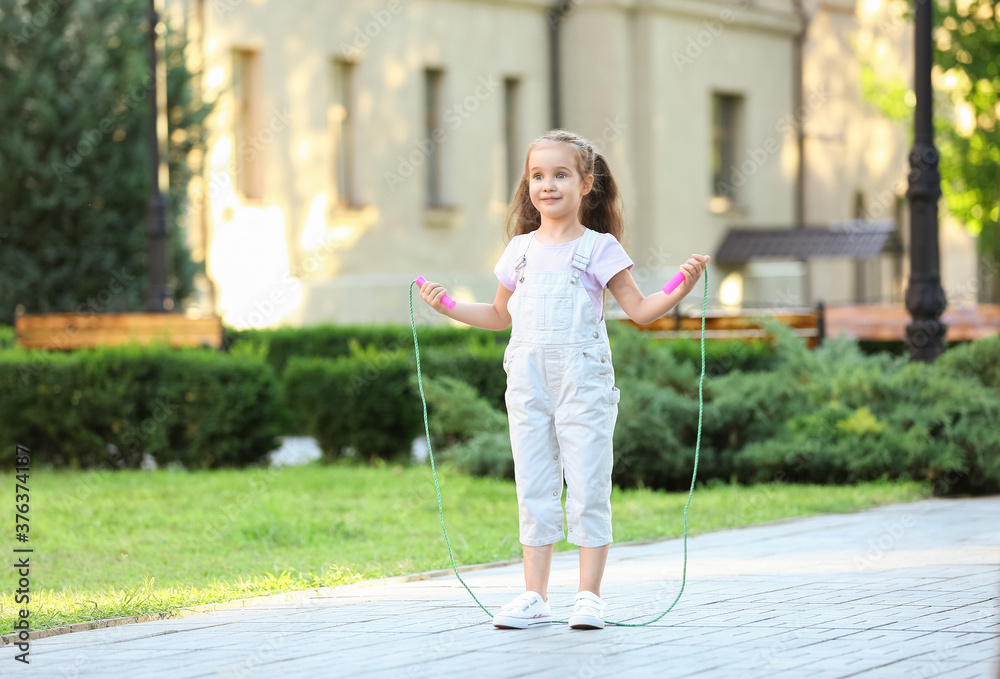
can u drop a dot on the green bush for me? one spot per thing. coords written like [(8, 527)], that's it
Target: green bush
[(657, 429), (438, 346), (7, 337), (379, 411), (979, 359), (831, 415), (334, 341), (360, 404), (456, 413), (650, 440), (108, 406), (466, 430), (477, 363), (485, 454), (635, 355), (446, 350), (721, 356), (74, 179), (860, 418)]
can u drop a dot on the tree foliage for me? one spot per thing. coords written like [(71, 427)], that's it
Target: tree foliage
[(967, 50), (74, 159), (967, 135)]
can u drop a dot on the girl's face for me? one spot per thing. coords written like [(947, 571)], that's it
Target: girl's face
[(554, 182)]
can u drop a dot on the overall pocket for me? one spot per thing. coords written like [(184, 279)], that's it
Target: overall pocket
[(557, 311), (508, 353), (598, 362)]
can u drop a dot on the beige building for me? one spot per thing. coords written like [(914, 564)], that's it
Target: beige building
[(359, 144)]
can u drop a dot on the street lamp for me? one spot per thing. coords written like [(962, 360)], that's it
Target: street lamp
[(925, 299), (159, 298)]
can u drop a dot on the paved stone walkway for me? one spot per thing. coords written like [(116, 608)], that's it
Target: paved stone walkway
[(902, 591)]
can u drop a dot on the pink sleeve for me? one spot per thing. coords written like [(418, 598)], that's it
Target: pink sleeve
[(504, 269), (608, 259)]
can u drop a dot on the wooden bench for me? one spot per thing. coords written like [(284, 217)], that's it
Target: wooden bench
[(887, 322), (74, 331), (807, 323)]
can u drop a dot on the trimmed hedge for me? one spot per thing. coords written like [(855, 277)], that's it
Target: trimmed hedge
[(334, 341), (457, 351), (466, 353), (721, 356), (376, 403), (7, 336), (106, 407), (368, 402), (356, 405), (774, 410)]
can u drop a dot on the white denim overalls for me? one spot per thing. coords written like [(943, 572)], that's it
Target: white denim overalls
[(562, 403)]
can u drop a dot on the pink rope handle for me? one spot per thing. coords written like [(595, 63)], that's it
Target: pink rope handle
[(672, 284), (446, 300)]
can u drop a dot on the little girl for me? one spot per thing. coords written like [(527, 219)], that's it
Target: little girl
[(561, 397)]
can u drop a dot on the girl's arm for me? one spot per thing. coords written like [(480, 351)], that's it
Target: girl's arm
[(644, 310), (480, 314)]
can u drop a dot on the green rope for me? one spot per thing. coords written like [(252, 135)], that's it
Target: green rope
[(694, 473)]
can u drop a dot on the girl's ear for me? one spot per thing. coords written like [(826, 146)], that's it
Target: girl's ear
[(588, 184)]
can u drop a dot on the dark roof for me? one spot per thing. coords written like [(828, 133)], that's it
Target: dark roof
[(859, 239)]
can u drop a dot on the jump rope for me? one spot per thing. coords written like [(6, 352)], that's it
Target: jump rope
[(669, 287)]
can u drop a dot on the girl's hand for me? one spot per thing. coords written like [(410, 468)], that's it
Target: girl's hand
[(692, 269), (432, 294)]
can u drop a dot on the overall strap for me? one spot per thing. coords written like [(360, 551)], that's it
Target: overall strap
[(581, 258), (519, 263)]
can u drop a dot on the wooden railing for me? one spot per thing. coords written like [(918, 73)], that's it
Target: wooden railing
[(807, 323), (887, 322), (73, 331), (867, 322)]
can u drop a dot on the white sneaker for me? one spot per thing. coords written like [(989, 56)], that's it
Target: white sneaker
[(528, 609), (588, 612)]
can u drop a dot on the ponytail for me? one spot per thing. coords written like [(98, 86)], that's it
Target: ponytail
[(601, 209)]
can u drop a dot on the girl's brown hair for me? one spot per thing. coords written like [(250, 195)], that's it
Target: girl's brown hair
[(600, 210)]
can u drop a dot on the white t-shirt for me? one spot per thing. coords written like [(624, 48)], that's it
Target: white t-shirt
[(607, 259)]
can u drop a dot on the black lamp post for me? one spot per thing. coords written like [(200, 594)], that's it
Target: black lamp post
[(925, 298), (159, 299)]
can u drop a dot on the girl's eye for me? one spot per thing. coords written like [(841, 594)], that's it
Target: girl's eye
[(561, 173)]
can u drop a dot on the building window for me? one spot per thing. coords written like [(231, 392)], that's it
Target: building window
[(727, 112), (245, 109), (433, 132), (342, 117), (513, 165)]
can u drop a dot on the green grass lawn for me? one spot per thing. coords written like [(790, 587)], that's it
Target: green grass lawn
[(124, 543)]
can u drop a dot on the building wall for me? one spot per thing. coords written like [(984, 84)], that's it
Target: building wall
[(637, 79), (330, 264), (855, 156), (751, 58)]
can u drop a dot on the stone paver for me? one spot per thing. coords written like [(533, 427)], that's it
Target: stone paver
[(900, 591)]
